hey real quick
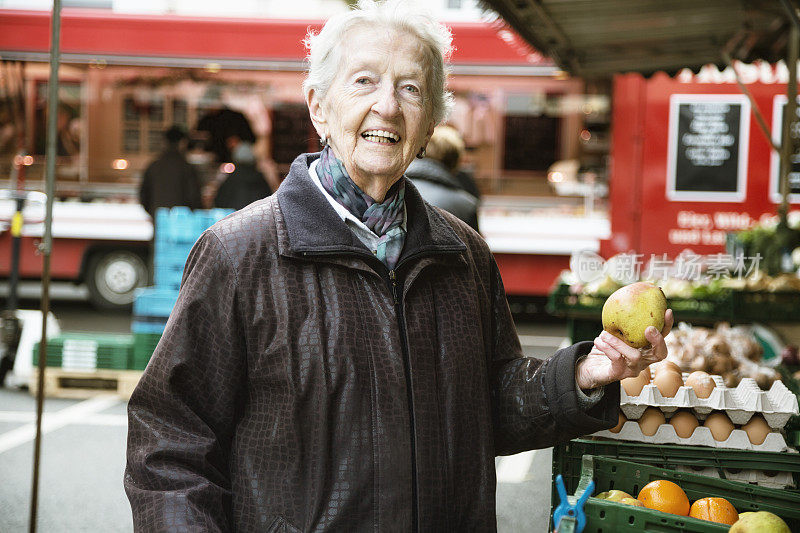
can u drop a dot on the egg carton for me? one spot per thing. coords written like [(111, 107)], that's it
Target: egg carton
[(777, 405), (665, 434), (771, 480)]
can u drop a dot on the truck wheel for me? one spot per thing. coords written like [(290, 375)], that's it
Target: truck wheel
[(113, 276)]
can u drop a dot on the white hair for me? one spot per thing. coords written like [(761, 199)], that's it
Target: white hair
[(324, 47)]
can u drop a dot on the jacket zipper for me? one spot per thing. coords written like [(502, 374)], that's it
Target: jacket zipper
[(398, 305), (397, 298)]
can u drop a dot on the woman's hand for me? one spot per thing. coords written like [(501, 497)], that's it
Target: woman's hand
[(612, 360)]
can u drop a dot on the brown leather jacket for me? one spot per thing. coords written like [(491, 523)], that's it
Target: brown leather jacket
[(301, 386)]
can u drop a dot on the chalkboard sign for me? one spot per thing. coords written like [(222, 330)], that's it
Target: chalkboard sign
[(778, 109), (708, 144)]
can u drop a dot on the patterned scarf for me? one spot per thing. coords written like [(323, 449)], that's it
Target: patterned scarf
[(384, 219)]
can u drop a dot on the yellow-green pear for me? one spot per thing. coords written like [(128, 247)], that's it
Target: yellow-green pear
[(613, 495), (632, 501), (631, 309), (760, 522)]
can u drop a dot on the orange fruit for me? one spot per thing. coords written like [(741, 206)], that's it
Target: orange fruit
[(665, 496), (714, 510)]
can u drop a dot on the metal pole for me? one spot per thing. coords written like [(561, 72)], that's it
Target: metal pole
[(46, 246), (791, 10), (789, 116), (753, 105)]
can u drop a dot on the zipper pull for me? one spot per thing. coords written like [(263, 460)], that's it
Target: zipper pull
[(393, 277)]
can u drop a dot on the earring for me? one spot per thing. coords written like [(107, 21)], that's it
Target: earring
[(421, 153), (323, 141)]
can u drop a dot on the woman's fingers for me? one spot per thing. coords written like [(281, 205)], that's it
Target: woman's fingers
[(629, 361), (658, 350), (631, 354), (669, 321), (610, 352)]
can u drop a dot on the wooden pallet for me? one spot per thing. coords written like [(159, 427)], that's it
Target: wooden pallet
[(81, 384)]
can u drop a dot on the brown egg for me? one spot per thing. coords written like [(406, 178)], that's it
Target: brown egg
[(702, 383), (720, 425), (684, 423), (657, 368), (646, 372), (756, 429), (633, 386), (764, 380), (668, 383), (650, 420), (618, 427)]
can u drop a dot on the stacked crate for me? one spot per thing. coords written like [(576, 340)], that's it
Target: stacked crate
[(87, 351), (177, 229)]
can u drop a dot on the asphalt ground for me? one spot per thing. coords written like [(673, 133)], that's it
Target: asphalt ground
[(83, 449)]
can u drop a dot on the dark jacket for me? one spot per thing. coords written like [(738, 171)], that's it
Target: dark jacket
[(300, 385), (242, 187), (168, 181), (439, 187)]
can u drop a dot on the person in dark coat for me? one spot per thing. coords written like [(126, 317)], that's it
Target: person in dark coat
[(341, 356), (434, 176), (170, 180), (245, 184)]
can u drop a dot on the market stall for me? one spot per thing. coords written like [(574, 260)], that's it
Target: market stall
[(683, 188)]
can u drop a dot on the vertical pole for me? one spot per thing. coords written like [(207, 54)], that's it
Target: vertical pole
[(789, 116), (52, 116)]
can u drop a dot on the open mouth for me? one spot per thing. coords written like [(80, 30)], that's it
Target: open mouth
[(381, 136)]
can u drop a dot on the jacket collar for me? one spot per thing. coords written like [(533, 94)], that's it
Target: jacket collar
[(313, 227)]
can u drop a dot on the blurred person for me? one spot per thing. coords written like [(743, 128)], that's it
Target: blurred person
[(170, 180), (466, 179), (9, 134), (222, 128), (434, 176), (341, 356), (245, 184)]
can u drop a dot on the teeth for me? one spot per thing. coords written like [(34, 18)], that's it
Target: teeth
[(380, 136)]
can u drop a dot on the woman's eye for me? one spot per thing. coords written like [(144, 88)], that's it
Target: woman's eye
[(412, 89), (362, 81)]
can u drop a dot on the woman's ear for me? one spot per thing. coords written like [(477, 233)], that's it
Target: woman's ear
[(317, 113), (429, 133)]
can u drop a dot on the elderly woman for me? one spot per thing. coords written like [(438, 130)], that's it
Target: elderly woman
[(341, 356)]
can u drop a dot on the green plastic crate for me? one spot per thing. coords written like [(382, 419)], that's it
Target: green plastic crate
[(767, 306), (561, 302), (567, 458), (87, 351), (610, 474), (143, 346), (603, 516)]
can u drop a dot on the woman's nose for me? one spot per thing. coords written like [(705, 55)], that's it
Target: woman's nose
[(387, 103)]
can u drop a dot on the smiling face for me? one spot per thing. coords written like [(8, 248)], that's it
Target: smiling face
[(376, 114)]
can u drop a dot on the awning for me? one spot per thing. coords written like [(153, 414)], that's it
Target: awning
[(90, 36), (594, 38)]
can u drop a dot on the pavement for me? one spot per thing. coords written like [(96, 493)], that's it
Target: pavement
[(83, 452), (82, 462)]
